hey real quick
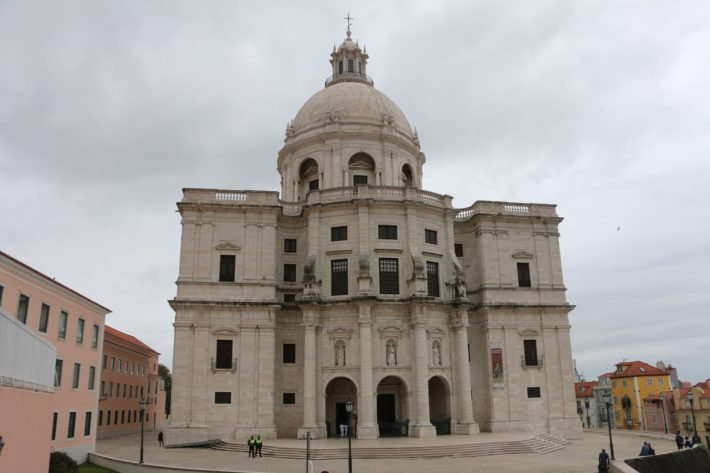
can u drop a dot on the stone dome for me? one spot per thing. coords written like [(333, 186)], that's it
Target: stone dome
[(349, 102)]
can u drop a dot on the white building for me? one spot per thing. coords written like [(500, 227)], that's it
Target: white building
[(357, 284)]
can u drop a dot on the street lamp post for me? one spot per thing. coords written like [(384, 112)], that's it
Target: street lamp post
[(663, 407), (586, 407), (349, 409), (607, 401), (143, 405), (692, 411)]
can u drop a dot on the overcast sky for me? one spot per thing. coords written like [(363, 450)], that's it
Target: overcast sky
[(109, 109)]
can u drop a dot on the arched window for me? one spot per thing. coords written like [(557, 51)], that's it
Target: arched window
[(362, 169), (308, 177), (407, 176)]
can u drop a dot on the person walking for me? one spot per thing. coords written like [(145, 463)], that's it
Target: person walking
[(651, 451), (603, 462), (160, 439), (258, 444), (252, 447), (696, 439), (644, 450), (687, 443), (679, 440)]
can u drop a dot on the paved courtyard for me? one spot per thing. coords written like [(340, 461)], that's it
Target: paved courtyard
[(578, 457)]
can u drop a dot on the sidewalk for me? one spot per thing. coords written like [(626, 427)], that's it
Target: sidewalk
[(580, 456)]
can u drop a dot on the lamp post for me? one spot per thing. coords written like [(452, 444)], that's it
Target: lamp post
[(586, 407), (607, 401), (663, 407), (349, 409), (143, 405), (692, 412)]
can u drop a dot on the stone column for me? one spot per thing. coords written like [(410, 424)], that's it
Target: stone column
[(465, 424), (422, 425), (310, 320), (366, 428)]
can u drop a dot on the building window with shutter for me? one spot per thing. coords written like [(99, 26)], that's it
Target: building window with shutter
[(339, 277), (432, 278), (530, 350), (523, 274), (359, 180), (289, 245), (227, 268), (22, 307), (430, 237), (389, 276), (289, 353), (44, 318), (223, 360), (458, 249), (387, 232), (338, 233), (289, 272)]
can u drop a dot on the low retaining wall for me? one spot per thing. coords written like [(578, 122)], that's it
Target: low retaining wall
[(124, 466), (696, 460)]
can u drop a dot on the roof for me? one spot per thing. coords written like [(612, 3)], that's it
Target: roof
[(53, 281), (585, 388), (127, 338), (629, 369), (668, 395)]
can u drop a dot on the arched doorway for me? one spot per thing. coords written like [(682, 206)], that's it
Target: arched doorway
[(440, 405), (362, 169), (338, 392), (392, 407), (308, 178)]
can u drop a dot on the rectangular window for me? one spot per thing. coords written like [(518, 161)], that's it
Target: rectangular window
[(360, 180), (124, 390), (101, 418), (1, 291), (523, 274), (389, 276), (55, 419), (80, 331), (340, 67), (72, 425), (110, 388), (338, 233), (430, 237), (130, 390), (387, 232), (115, 416), (87, 424), (533, 392), (351, 65), (120, 365), (289, 245), (289, 272), (95, 337), (223, 360), (75, 378), (458, 249), (227, 267), (123, 417), (432, 278), (58, 365), (63, 321), (22, 307), (289, 398), (339, 277), (103, 388), (44, 318), (223, 398), (289, 353), (289, 297), (104, 362), (313, 185), (660, 381), (92, 375), (113, 363), (649, 382), (530, 349)]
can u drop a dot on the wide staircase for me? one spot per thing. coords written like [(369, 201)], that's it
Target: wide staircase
[(541, 443)]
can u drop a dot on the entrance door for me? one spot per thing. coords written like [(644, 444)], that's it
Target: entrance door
[(341, 416), (386, 415)]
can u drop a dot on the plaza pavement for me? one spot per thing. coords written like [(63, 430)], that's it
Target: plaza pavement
[(579, 456)]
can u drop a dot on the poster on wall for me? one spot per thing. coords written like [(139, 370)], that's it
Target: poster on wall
[(497, 364)]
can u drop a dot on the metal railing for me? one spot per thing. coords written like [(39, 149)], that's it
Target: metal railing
[(214, 367)]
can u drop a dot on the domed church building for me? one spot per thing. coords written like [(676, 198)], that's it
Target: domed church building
[(354, 287)]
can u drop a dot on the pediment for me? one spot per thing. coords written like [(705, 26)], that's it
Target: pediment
[(227, 246), (435, 331), (529, 332), (522, 254), (225, 331), (340, 332)]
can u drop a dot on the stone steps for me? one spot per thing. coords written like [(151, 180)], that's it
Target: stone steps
[(542, 443)]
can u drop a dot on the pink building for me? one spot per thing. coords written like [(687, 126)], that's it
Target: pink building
[(129, 373), (658, 412), (73, 324)]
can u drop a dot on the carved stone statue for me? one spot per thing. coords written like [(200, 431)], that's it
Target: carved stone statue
[(436, 354), (391, 353), (339, 355)]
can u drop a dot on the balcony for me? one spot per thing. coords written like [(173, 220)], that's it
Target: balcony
[(231, 368), (535, 363)]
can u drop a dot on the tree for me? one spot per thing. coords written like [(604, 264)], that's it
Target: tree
[(167, 378)]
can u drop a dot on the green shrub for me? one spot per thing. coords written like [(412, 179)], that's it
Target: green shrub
[(60, 462)]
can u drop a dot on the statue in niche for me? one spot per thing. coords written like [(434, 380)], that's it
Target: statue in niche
[(391, 353), (340, 354), (436, 353)]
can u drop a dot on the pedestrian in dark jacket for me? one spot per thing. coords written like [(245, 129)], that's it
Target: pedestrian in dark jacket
[(644, 450), (160, 439), (603, 462), (252, 447), (258, 443), (679, 440)]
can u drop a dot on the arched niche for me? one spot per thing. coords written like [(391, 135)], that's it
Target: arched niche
[(407, 176), (361, 168)]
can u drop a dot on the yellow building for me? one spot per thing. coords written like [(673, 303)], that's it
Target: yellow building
[(631, 383), (683, 414)]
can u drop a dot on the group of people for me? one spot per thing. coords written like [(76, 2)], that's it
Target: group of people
[(647, 450), (686, 442), (255, 446)]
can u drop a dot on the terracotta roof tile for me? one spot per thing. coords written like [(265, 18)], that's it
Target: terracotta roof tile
[(127, 338), (585, 388), (636, 368)]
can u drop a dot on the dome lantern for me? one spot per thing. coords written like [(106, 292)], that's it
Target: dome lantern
[(349, 62)]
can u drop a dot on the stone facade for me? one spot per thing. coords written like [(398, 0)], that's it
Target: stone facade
[(359, 285)]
